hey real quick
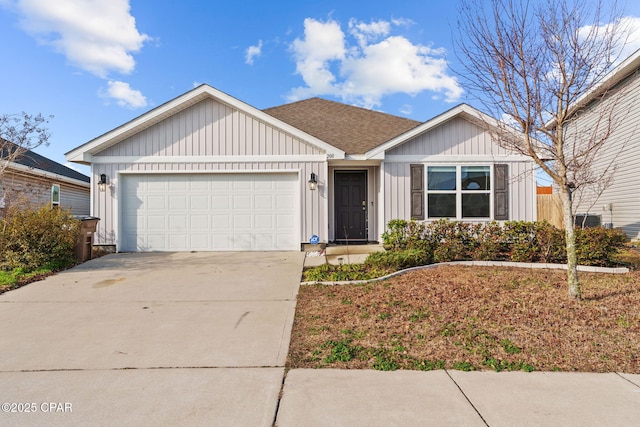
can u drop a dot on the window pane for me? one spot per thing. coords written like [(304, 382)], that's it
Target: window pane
[(55, 194), (475, 178), (475, 205), (441, 178), (442, 205)]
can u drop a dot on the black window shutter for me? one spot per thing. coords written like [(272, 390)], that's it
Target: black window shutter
[(417, 191), (501, 192)]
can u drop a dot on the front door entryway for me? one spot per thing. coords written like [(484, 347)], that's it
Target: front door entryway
[(351, 206)]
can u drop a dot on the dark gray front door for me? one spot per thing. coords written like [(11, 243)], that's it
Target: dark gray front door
[(351, 205)]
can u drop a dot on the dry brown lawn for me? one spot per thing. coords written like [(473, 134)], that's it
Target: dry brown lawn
[(471, 318)]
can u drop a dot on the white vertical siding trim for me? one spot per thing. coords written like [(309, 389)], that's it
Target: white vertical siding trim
[(382, 219), (325, 198)]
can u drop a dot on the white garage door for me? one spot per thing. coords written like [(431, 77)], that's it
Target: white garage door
[(209, 212)]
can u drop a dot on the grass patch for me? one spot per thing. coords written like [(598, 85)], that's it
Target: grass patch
[(17, 277)]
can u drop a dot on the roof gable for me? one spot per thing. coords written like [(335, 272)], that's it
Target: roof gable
[(463, 111), (84, 153), (353, 130)]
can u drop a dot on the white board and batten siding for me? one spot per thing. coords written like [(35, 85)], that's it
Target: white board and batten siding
[(456, 142), (252, 174), (619, 203)]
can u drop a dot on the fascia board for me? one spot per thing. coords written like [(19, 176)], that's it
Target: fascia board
[(42, 173)]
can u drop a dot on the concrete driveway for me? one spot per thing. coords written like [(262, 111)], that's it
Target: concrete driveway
[(153, 339)]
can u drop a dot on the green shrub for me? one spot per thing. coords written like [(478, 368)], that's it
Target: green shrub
[(597, 245), (451, 240), (488, 242), (393, 261), (395, 236), (520, 241), (550, 242), (520, 236), (401, 235), (35, 237)]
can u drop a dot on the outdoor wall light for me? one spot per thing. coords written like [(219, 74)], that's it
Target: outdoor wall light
[(102, 184), (313, 182)]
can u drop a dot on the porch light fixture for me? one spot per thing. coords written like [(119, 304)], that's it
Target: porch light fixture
[(313, 182), (102, 184)]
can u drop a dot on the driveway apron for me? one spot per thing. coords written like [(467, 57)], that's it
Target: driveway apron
[(163, 338)]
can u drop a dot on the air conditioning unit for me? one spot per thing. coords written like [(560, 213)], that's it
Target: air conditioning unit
[(587, 220)]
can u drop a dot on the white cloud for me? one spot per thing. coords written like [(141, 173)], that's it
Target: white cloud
[(628, 28), (252, 52), (366, 33), (124, 95), (98, 36), (323, 43), (376, 65)]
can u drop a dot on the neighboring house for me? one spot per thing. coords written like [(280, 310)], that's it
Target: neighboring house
[(619, 203), (206, 171), (37, 180)]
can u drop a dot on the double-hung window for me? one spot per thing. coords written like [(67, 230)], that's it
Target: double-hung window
[(459, 192)]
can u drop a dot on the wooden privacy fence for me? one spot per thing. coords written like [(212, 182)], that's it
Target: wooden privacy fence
[(550, 208)]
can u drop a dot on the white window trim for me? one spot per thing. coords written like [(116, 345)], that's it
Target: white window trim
[(459, 192), (53, 188)]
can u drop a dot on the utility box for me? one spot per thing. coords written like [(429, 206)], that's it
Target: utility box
[(84, 245), (587, 220)]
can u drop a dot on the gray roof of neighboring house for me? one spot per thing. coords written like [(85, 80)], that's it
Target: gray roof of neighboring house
[(353, 130), (34, 160)]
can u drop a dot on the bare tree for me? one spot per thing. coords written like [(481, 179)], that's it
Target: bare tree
[(20, 133), (532, 63)]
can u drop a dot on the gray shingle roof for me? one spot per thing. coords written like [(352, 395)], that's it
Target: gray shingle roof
[(36, 161), (353, 130)]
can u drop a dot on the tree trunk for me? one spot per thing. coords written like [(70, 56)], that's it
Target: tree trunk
[(573, 283)]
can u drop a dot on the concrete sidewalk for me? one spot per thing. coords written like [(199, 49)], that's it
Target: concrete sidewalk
[(326, 397)]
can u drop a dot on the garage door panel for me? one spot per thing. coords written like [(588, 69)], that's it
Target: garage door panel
[(242, 201), (242, 221), (225, 211), (221, 202), (153, 223), (177, 222), (199, 222), (200, 202), (284, 203), (178, 202), (222, 222), (264, 202), (156, 186), (264, 222), (156, 203)]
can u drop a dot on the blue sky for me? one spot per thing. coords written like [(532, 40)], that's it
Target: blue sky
[(96, 64)]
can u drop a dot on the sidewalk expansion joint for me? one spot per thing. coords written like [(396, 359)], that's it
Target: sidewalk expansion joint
[(280, 395), (627, 379), (467, 397)]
